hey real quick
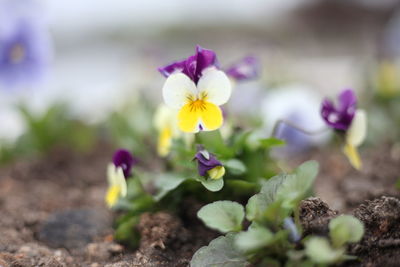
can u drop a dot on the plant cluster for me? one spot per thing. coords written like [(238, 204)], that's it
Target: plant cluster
[(225, 167), (272, 237)]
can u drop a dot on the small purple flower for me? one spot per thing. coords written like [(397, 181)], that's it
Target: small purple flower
[(206, 162), (25, 49), (245, 69), (124, 159), (194, 65), (339, 117)]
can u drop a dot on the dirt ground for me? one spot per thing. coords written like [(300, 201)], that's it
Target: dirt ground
[(53, 213)]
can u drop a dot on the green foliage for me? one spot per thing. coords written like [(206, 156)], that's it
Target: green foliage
[(320, 251), (53, 128), (126, 232), (266, 241), (212, 185), (254, 238), (224, 216), (271, 142), (165, 182), (234, 166), (345, 229), (284, 191), (220, 252)]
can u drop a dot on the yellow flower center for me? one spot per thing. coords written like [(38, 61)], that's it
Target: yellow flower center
[(198, 113), (17, 53), (197, 103)]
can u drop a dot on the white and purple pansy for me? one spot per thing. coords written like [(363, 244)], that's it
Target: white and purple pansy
[(347, 119), (117, 173), (196, 87)]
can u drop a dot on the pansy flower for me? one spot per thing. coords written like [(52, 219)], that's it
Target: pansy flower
[(117, 172), (347, 120), (209, 165), (25, 47), (247, 68), (195, 87), (166, 123)]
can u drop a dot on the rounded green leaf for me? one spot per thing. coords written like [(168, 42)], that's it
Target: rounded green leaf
[(235, 166), (253, 239), (320, 251), (212, 185), (345, 228), (224, 216), (220, 252)]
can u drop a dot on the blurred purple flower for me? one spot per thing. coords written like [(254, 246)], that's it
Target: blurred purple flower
[(245, 69), (124, 159), (289, 225), (296, 141), (339, 117), (194, 65), (206, 162), (25, 49)]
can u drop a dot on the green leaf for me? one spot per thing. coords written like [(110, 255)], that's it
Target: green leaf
[(240, 140), (224, 216), (344, 229), (212, 185), (215, 141), (126, 232), (287, 189), (235, 166), (166, 182), (258, 203), (271, 142), (220, 252), (254, 238), (297, 186), (320, 251)]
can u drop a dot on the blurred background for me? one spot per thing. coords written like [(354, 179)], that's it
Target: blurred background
[(104, 55)]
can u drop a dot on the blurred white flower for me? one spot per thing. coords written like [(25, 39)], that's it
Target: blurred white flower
[(299, 105)]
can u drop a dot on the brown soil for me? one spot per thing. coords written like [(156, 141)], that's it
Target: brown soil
[(53, 213)]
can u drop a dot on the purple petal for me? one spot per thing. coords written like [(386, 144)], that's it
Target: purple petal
[(340, 117), (25, 48), (193, 66), (178, 66), (245, 69), (347, 99), (124, 159), (204, 164), (205, 58)]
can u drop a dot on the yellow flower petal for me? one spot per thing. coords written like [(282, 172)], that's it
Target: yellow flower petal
[(164, 142), (352, 154), (112, 195), (217, 172), (197, 113)]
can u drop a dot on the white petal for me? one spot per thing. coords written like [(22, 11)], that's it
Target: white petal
[(111, 170), (166, 117), (162, 116), (177, 88), (358, 128), (120, 181), (217, 86)]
